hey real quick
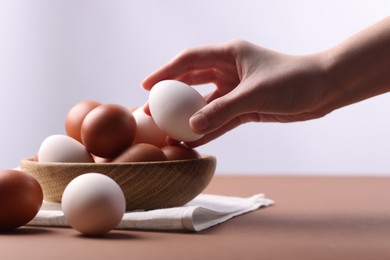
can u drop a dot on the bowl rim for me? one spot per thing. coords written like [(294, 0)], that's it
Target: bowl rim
[(30, 160)]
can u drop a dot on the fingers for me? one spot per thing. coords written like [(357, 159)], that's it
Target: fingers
[(217, 113), (215, 134), (194, 59), (199, 77)]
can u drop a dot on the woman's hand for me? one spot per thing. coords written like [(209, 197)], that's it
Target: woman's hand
[(253, 84)]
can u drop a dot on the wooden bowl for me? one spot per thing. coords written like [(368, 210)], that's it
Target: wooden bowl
[(146, 185)]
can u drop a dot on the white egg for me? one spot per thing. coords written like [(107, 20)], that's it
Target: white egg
[(62, 148), (147, 130), (93, 204), (172, 103)]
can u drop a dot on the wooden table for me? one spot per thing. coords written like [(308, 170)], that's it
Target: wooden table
[(313, 218)]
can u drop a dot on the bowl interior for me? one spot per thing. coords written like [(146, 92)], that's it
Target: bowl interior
[(146, 185)]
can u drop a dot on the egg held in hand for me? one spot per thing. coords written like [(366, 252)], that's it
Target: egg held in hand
[(75, 117), (172, 103), (21, 197), (62, 148), (108, 130), (93, 204)]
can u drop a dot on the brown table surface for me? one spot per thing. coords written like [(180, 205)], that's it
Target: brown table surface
[(313, 218)]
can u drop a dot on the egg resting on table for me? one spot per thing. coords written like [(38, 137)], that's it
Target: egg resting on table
[(93, 203), (21, 197)]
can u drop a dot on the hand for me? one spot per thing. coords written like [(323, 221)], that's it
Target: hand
[(253, 84)]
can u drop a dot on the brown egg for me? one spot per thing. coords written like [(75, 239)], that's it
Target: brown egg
[(108, 130), (21, 197), (75, 118), (180, 152), (98, 159), (141, 153)]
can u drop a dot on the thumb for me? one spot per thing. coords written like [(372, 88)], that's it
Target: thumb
[(215, 114)]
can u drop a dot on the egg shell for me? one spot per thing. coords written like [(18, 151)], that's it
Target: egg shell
[(62, 148), (147, 130), (172, 103), (108, 130), (142, 153), (98, 159), (93, 203), (180, 152), (21, 197), (75, 117), (132, 108)]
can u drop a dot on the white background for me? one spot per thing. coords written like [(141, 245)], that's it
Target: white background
[(54, 54)]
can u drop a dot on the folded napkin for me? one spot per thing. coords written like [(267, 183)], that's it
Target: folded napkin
[(202, 212)]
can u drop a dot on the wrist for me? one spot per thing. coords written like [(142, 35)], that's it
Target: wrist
[(328, 87), (346, 82), (357, 68)]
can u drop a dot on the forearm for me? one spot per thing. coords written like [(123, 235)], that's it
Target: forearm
[(359, 67)]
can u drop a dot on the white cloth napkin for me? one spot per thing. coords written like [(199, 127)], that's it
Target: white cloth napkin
[(202, 212)]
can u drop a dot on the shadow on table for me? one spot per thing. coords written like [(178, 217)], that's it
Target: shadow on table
[(113, 235), (25, 231)]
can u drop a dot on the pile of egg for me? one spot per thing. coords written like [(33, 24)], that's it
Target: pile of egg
[(105, 133), (114, 133)]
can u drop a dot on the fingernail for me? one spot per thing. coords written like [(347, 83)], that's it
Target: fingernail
[(199, 122)]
